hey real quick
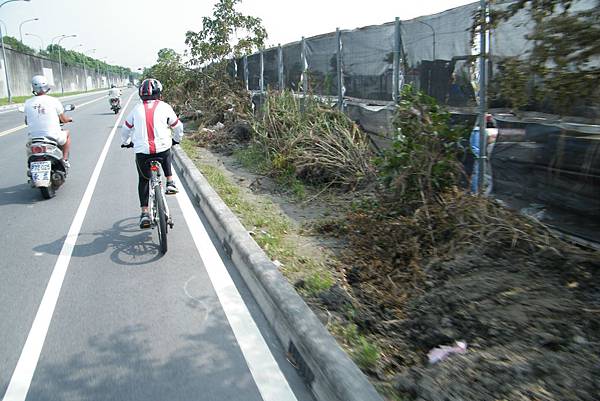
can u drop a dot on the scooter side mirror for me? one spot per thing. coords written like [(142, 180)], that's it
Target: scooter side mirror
[(69, 107), (21, 109)]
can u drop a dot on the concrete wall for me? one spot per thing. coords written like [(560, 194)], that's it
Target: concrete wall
[(21, 67)]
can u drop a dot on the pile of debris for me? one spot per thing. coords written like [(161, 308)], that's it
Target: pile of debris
[(313, 141)]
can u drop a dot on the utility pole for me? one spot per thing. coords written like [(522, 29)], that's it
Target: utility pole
[(482, 97), (62, 84)]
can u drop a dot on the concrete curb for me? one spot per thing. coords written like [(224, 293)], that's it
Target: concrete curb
[(329, 372)]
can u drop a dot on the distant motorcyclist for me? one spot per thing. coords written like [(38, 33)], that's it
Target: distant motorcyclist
[(43, 115), (114, 93), (153, 127)]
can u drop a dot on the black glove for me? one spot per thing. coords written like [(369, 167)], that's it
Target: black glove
[(129, 145), (174, 142)]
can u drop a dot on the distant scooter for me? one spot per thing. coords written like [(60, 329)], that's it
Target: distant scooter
[(115, 104), (46, 168)]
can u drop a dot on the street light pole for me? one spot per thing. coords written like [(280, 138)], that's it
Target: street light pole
[(21, 26), (102, 59), (84, 70), (433, 31), (84, 78), (62, 84)]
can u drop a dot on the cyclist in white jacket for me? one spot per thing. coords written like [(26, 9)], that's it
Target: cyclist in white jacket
[(152, 127)]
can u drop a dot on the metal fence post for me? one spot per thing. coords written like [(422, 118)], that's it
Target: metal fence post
[(246, 72), (280, 68), (482, 98), (340, 77), (396, 68), (304, 76), (261, 81)]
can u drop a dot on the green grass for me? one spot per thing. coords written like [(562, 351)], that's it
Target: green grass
[(254, 159), (21, 99), (364, 353), (271, 230)]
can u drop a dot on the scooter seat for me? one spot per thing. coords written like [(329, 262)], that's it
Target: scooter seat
[(43, 139)]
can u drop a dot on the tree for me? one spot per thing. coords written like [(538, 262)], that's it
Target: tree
[(168, 70), (17, 45), (566, 43), (215, 42)]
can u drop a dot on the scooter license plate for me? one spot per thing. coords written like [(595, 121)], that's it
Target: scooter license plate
[(40, 171)]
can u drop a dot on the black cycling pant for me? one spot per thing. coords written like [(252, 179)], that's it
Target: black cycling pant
[(142, 162)]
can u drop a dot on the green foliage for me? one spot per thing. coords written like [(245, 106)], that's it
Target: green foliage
[(365, 353), (318, 282), (513, 83), (215, 42), (73, 58), (169, 71), (422, 159), (17, 45), (564, 43)]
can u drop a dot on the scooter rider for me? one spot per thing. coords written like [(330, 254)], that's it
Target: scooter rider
[(43, 115), (153, 127), (114, 93)]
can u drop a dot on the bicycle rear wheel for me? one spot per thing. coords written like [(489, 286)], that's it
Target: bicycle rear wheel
[(161, 217)]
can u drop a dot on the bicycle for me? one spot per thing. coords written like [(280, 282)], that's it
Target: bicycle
[(160, 216)]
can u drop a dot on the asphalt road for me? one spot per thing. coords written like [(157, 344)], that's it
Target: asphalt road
[(89, 309)]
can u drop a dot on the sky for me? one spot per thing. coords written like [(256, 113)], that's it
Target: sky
[(130, 32)]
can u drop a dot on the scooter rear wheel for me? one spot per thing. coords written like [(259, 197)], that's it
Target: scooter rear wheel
[(48, 192)]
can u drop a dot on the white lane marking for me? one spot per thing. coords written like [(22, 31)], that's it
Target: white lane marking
[(62, 99), (30, 355), (10, 131), (91, 101), (20, 127), (266, 373)]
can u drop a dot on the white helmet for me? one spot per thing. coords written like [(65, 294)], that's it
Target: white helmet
[(39, 84)]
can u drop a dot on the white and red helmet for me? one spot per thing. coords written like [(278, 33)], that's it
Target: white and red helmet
[(150, 89)]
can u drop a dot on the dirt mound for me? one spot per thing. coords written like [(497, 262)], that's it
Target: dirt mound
[(532, 329)]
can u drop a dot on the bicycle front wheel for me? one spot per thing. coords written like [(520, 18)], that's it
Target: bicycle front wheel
[(161, 217)]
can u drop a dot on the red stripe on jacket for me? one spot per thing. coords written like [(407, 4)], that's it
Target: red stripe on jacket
[(174, 124), (149, 108), (130, 126)]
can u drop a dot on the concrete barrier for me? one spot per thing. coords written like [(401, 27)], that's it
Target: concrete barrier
[(21, 67)]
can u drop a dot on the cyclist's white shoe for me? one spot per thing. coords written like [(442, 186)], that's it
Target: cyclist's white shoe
[(145, 220), (171, 188)]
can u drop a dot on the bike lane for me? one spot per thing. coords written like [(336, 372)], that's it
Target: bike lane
[(131, 324)]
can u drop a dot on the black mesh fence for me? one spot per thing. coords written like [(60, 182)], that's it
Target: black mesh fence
[(545, 168), (435, 48), (321, 59), (368, 62), (292, 65), (271, 69), (254, 72)]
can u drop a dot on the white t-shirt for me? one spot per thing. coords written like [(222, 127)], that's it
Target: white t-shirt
[(41, 114), (150, 126), (114, 93)]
